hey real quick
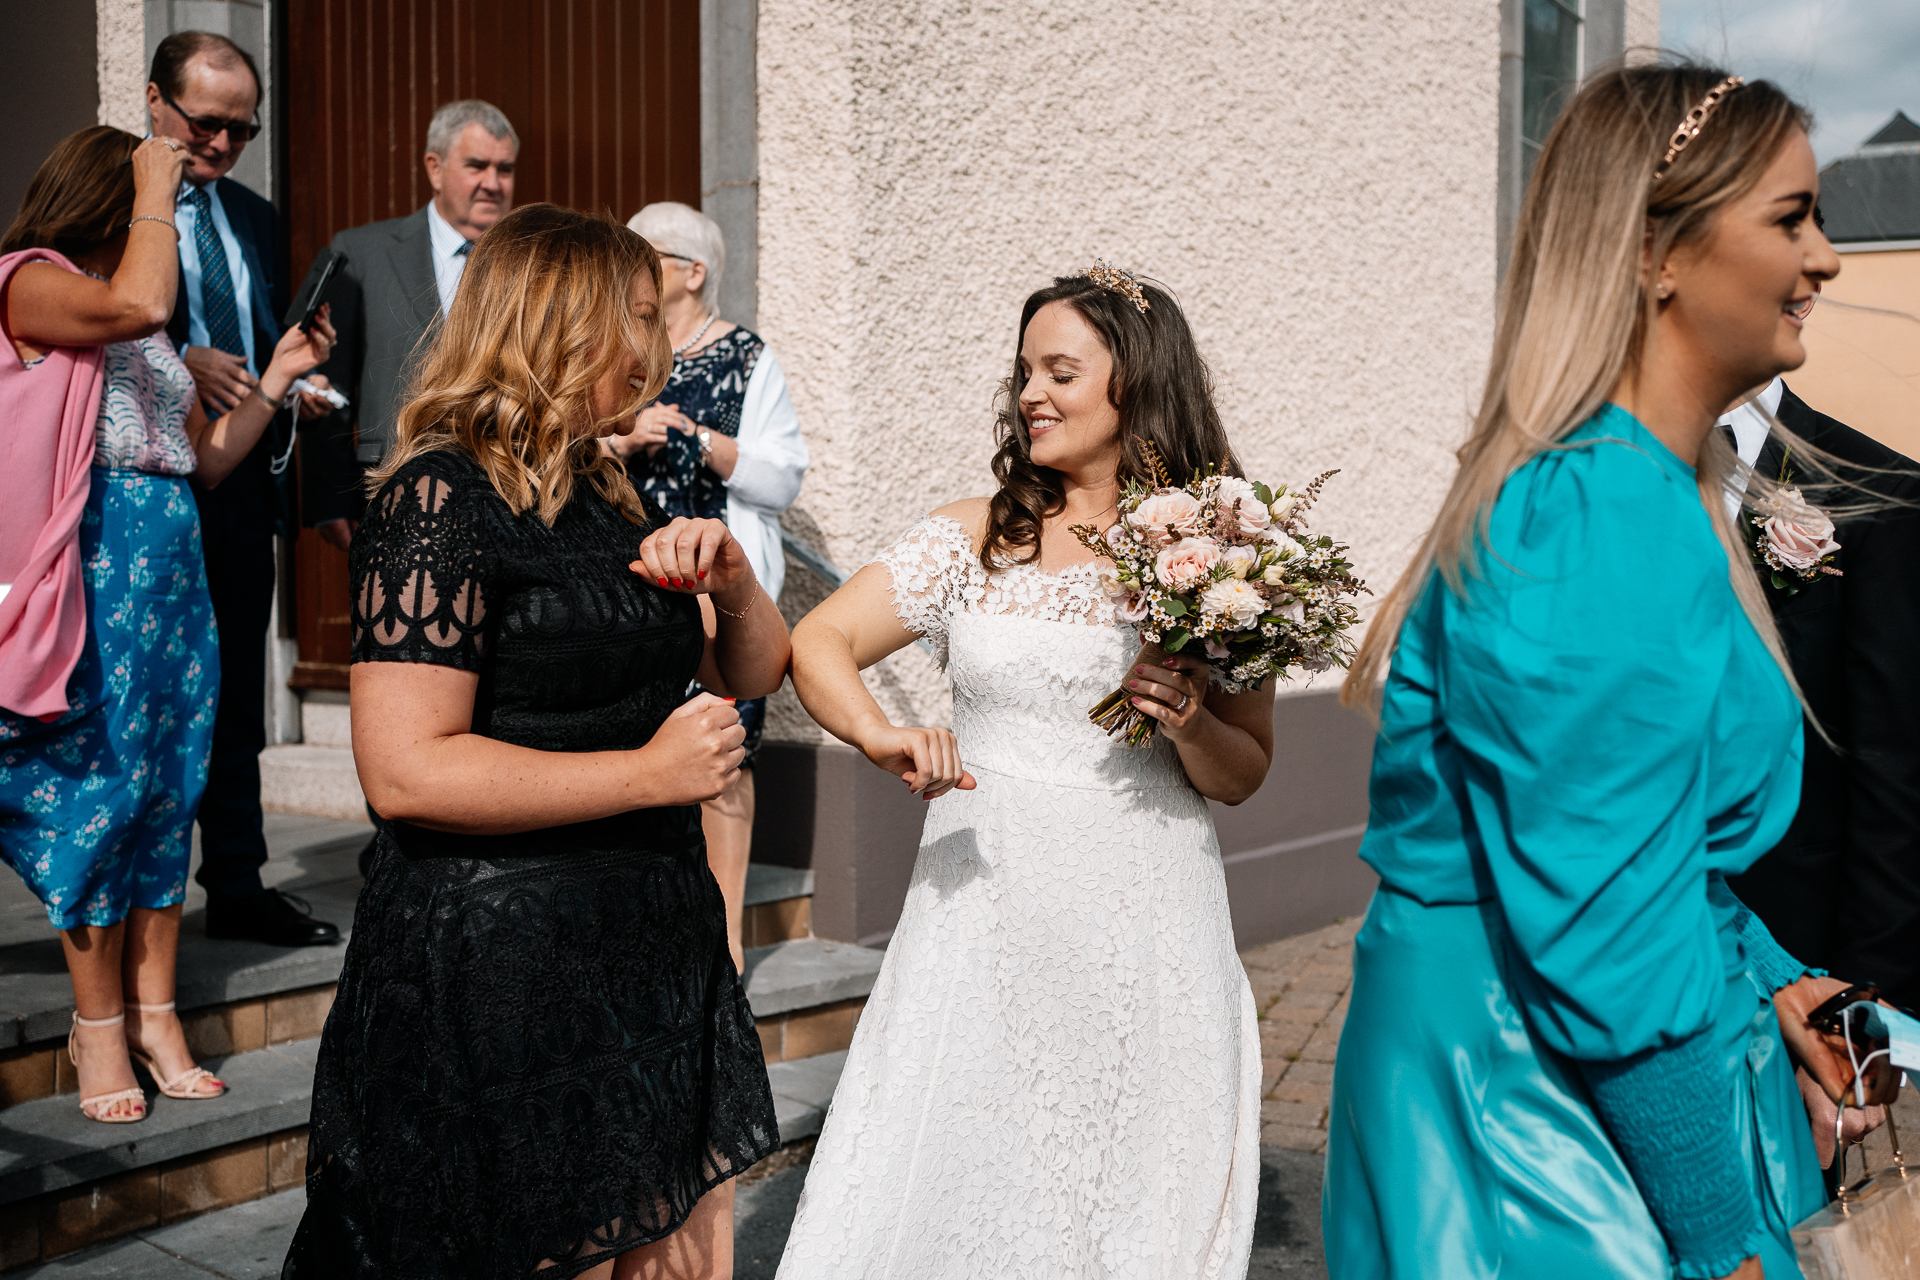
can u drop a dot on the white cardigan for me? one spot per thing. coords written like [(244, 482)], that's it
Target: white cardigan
[(766, 478)]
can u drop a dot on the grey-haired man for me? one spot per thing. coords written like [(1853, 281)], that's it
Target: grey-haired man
[(398, 282)]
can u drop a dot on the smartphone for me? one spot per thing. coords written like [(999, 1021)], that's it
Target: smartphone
[(313, 293), (1827, 1017)]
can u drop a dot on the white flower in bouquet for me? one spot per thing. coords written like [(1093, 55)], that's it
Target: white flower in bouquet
[(1274, 575), (1163, 517), (1240, 561), (1797, 532), (1293, 611), (1283, 506), (1235, 601), (1187, 563), (1285, 547)]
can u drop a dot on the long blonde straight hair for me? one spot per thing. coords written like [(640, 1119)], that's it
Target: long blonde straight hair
[(1576, 310), (544, 312)]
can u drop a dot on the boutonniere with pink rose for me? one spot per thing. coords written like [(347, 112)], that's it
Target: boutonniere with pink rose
[(1227, 564), (1791, 539)]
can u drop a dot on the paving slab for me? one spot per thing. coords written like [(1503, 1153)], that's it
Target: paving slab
[(49, 1144), (801, 1091), (132, 1259), (246, 1242), (805, 972)]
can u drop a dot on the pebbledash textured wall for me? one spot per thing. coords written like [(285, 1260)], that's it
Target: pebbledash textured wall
[(1314, 180)]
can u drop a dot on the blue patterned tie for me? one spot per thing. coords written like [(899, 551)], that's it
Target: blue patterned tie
[(216, 282)]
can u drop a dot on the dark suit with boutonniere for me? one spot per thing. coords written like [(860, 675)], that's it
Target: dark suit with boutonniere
[(384, 302), (1842, 890)]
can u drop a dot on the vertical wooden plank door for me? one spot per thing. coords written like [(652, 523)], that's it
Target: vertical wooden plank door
[(605, 95)]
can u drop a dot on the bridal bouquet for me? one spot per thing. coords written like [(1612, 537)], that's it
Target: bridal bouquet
[(1227, 564)]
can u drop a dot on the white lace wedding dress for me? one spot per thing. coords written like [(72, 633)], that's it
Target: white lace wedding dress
[(1058, 1072)]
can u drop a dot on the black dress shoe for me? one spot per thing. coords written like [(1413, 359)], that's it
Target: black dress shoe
[(269, 916)]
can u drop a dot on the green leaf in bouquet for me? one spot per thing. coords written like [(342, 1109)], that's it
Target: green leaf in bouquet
[(1176, 639), (1263, 493), (1173, 606)]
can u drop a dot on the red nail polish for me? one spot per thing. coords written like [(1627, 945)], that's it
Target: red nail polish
[(703, 573), (663, 582)]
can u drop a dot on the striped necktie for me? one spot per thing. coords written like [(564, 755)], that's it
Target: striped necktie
[(216, 282)]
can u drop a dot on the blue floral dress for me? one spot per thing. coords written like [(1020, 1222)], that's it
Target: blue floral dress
[(97, 806)]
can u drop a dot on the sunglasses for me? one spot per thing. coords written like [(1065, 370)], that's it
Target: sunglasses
[(205, 128)]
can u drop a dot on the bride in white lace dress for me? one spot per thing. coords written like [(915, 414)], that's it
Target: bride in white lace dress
[(1058, 1072)]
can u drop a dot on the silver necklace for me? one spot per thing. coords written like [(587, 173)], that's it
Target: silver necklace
[(677, 351)]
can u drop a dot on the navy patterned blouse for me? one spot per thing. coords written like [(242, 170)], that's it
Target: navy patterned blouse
[(709, 387)]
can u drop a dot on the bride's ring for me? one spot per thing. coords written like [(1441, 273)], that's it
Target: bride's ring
[(1183, 703)]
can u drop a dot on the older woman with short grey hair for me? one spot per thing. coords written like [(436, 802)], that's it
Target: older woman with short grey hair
[(722, 442)]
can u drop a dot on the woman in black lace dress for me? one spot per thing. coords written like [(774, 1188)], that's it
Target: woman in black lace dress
[(541, 1061)]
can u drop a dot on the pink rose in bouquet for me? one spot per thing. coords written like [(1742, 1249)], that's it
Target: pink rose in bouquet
[(1186, 564), (1162, 517), (1240, 510)]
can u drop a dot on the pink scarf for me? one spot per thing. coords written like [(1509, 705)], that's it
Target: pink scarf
[(46, 448)]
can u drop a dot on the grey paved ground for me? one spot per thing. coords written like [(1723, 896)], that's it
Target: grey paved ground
[(247, 1242)]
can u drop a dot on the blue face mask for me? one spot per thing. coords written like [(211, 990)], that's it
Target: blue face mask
[(1899, 1030)]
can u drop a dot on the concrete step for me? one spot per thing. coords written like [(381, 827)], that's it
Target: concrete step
[(234, 997), (300, 777), (807, 995), (48, 1145)]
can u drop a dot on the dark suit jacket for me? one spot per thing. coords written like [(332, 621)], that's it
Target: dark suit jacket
[(385, 301), (251, 500), (1842, 890)]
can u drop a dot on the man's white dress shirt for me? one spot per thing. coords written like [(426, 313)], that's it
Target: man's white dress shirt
[(449, 256), (1750, 423), (184, 219)]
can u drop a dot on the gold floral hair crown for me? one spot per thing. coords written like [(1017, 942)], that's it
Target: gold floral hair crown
[(1117, 280), (1689, 129)]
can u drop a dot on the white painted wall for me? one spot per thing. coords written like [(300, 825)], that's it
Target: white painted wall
[(1315, 180)]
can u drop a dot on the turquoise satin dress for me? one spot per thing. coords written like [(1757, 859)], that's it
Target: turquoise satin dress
[(1570, 760)]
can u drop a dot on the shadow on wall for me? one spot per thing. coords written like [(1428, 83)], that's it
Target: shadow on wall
[(1289, 850)]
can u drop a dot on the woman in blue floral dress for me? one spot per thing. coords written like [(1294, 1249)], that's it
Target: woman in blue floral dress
[(721, 443), (97, 804)]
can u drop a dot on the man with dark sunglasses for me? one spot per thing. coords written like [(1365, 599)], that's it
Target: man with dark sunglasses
[(205, 93)]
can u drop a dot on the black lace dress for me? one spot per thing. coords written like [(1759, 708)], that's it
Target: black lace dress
[(540, 1054)]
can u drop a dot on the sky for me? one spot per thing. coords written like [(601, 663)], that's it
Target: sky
[(1853, 62)]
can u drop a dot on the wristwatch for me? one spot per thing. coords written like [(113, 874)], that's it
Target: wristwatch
[(705, 436)]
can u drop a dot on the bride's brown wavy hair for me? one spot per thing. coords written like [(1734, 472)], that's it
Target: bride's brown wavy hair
[(544, 311), (1160, 385)]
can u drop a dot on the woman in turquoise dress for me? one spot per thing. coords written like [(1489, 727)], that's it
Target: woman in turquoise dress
[(1562, 1055)]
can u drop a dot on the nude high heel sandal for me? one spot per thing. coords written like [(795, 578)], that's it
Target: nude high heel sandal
[(96, 1107), (181, 1086)]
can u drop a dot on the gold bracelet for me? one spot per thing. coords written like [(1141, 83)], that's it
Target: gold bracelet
[(743, 613), (154, 217)]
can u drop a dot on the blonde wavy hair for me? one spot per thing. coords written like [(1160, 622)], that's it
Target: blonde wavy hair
[(544, 312), (1576, 312)]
